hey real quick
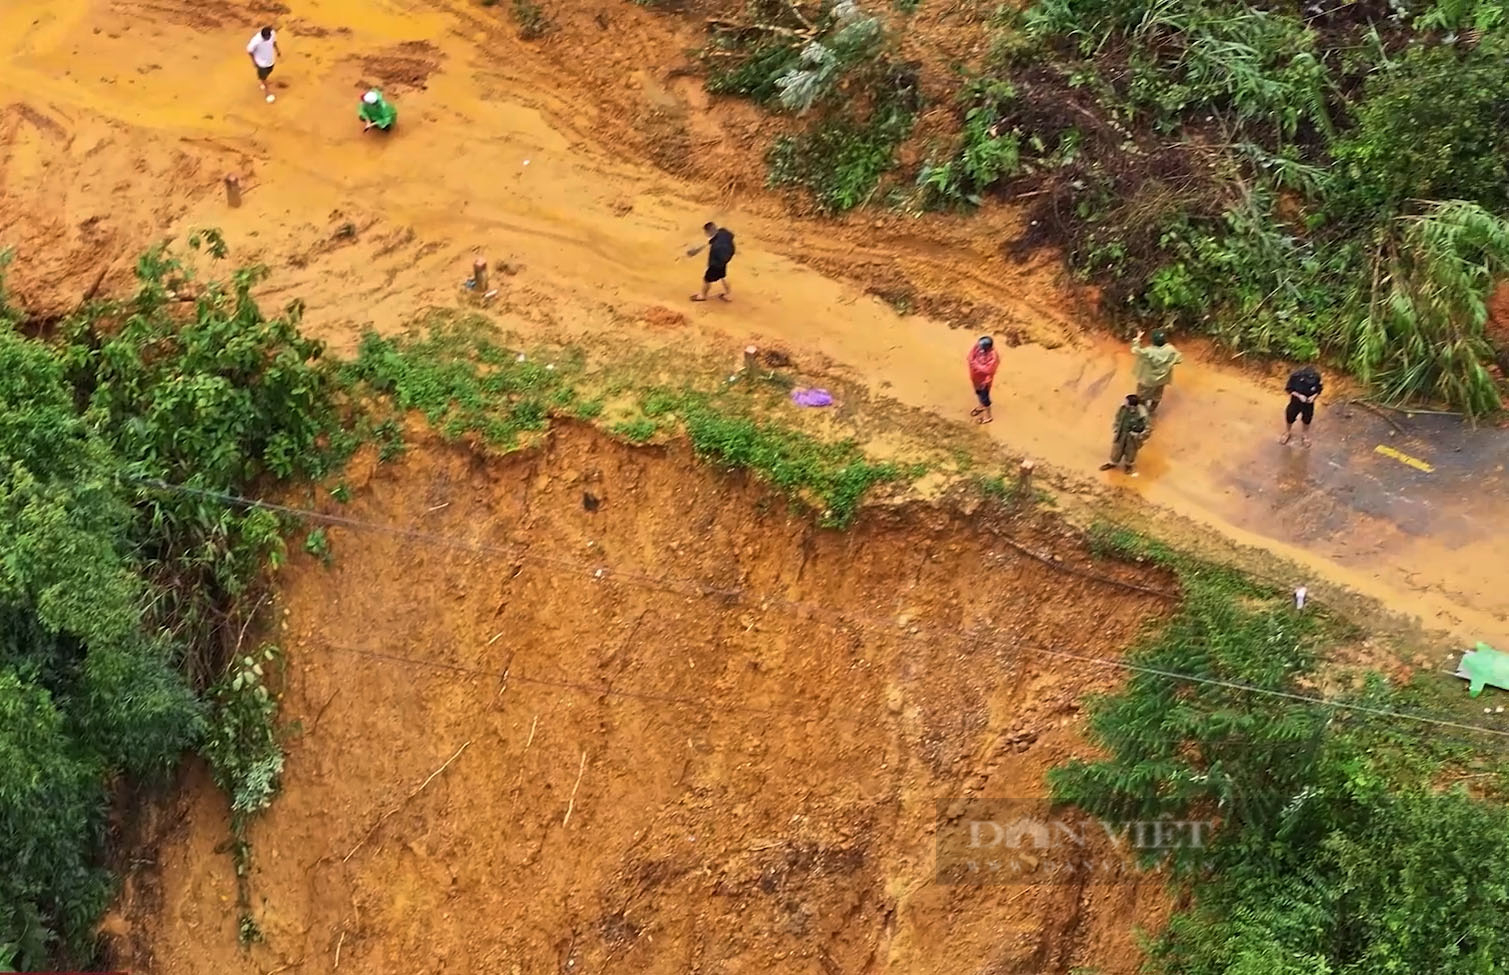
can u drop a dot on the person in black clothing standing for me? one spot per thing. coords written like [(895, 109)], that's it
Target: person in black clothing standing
[(1304, 389), (720, 250)]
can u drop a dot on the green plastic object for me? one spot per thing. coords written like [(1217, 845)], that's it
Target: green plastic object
[(379, 111), (1484, 665)]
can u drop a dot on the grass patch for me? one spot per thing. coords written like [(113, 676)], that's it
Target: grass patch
[(997, 488), (834, 477), (466, 382), (636, 431)]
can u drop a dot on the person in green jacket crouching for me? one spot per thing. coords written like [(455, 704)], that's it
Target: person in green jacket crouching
[(376, 112)]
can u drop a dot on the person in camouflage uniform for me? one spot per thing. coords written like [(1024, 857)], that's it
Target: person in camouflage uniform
[(1127, 434)]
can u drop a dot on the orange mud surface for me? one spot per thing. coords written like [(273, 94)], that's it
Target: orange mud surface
[(725, 753), (582, 166), (586, 163)]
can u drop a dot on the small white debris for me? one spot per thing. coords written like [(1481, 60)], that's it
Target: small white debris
[(550, 367), (1299, 597), (520, 358), (598, 574)]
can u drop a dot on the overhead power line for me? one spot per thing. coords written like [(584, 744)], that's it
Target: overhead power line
[(605, 573)]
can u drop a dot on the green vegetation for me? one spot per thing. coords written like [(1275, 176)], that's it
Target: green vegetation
[(1342, 846), (125, 604), (638, 430), (1299, 183), (845, 72), (835, 476), (842, 159), (317, 543), (466, 383), (986, 155), (1289, 183), (531, 17), (462, 381)]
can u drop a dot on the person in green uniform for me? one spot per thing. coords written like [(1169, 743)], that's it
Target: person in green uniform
[(1127, 434), (1154, 368), (376, 112)]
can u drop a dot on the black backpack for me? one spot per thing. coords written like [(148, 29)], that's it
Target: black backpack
[(1306, 380)]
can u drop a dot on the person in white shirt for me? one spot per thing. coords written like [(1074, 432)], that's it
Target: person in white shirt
[(263, 51)]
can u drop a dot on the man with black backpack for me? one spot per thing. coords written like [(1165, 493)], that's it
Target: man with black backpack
[(1304, 389), (1127, 434), (720, 250)]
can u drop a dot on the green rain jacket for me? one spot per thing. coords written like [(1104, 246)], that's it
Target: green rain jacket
[(382, 114), (1155, 363)]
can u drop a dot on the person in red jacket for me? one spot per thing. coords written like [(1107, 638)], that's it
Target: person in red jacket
[(983, 363)]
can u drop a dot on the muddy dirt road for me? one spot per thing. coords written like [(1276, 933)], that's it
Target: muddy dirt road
[(120, 120)]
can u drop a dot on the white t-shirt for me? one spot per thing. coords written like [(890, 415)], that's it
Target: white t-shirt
[(262, 51)]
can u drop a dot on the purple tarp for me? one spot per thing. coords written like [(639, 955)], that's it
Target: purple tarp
[(811, 397)]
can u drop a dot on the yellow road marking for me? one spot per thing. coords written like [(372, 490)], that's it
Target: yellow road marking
[(1403, 458)]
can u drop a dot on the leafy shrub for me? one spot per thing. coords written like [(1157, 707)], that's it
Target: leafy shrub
[(821, 64), (842, 158), (117, 597), (1424, 330), (212, 400), (242, 745), (988, 152), (1335, 852), (843, 153), (1433, 125), (753, 72)]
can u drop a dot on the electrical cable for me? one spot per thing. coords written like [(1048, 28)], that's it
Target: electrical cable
[(691, 588)]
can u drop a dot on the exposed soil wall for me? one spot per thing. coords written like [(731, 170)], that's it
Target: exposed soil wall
[(751, 774)]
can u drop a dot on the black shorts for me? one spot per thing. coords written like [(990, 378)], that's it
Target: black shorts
[(715, 272), (982, 393), (1299, 410), (262, 72)]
